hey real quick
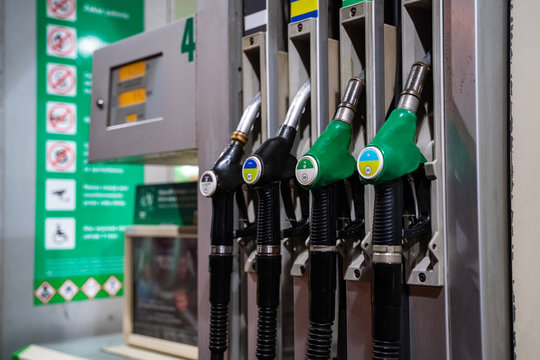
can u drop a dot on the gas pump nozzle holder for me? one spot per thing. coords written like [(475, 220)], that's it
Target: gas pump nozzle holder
[(270, 164), (390, 155), (327, 162), (220, 184)]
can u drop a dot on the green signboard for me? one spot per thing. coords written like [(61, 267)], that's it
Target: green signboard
[(81, 208), (160, 204)]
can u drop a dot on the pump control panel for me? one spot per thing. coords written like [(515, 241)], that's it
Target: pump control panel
[(136, 114)]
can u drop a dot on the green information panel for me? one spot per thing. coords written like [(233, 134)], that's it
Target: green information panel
[(174, 204), (81, 208)]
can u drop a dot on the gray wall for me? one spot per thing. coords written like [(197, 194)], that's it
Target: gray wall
[(526, 172), (23, 323)]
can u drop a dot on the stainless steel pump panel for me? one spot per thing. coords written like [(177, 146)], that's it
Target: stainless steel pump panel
[(143, 102)]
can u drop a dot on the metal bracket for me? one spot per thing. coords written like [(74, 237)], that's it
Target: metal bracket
[(359, 266)]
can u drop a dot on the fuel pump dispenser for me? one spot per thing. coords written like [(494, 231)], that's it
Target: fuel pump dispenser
[(327, 162), (384, 162), (269, 166), (221, 183)]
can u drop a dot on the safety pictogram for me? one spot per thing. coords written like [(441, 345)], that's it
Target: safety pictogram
[(61, 118), (59, 233), (61, 41), (68, 290), (60, 194), (61, 156), (45, 292), (112, 286), (62, 9), (61, 79), (91, 287)]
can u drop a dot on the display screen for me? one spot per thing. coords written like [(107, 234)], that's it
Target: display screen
[(136, 92), (165, 288)]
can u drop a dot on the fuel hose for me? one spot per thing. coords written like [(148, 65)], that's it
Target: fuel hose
[(391, 155), (269, 166), (220, 183), (327, 162)]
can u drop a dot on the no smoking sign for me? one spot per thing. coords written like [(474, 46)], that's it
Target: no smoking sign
[(61, 79), (61, 156), (61, 118), (62, 9), (61, 41)]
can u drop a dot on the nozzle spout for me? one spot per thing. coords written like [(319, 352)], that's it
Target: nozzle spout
[(347, 107), (412, 91), (298, 103), (247, 119)]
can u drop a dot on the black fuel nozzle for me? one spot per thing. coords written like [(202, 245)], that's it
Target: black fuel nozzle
[(270, 165), (220, 184)]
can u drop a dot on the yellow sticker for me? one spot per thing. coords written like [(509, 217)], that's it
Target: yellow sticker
[(300, 7)]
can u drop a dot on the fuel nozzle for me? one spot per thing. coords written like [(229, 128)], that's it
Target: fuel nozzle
[(412, 92), (327, 162), (270, 165), (220, 184), (329, 159), (393, 153)]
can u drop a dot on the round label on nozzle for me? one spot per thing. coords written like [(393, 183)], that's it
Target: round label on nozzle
[(208, 183), (252, 170), (370, 163), (307, 170)]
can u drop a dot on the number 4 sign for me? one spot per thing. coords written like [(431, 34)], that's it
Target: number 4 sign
[(188, 40)]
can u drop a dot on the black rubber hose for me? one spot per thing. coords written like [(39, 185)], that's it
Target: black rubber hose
[(386, 278), (220, 268), (322, 273), (268, 270), (388, 212)]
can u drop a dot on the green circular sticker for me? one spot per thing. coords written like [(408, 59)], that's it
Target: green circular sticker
[(252, 170), (307, 170), (370, 163)]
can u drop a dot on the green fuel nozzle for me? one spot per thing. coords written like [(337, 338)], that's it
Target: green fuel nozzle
[(393, 152), (327, 162), (384, 162), (329, 159)]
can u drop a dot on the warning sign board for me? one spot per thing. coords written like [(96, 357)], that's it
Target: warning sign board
[(61, 118), (91, 287), (45, 292), (61, 41), (61, 156), (61, 79), (112, 286), (62, 9), (68, 290)]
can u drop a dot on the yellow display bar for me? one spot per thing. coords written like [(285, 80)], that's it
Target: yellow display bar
[(131, 118), (132, 71), (132, 97)]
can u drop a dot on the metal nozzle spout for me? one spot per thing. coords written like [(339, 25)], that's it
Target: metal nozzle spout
[(347, 107), (297, 105), (412, 91), (246, 121)]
